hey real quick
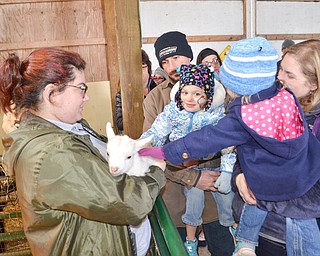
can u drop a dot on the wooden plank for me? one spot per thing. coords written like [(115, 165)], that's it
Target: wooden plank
[(25, 252), (112, 56), (12, 236), (291, 36), (129, 42), (52, 43), (201, 38), (45, 22), (3, 2), (124, 60), (9, 215)]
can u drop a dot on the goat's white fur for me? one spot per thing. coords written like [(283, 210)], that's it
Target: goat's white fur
[(123, 156)]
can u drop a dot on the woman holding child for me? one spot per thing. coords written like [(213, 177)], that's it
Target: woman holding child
[(300, 72)]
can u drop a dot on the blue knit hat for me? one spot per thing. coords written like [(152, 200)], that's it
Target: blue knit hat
[(198, 75), (250, 66)]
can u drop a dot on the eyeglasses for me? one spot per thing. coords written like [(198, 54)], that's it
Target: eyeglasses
[(83, 87), (209, 64)]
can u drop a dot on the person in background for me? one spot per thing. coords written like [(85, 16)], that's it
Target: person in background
[(299, 72), (159, 75), (70, 203), (210, 58), (286, 44), (148, 85), (147, 81), (196, 104), (172, 50)]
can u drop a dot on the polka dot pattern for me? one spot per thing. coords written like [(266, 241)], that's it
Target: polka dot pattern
[(277, 118)]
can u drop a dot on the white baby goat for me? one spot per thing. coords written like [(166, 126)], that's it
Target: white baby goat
[(123, 156)]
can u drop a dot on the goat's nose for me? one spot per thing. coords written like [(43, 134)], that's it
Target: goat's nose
[(114, 169)]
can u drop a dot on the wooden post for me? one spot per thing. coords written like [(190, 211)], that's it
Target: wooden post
[(124, 60)]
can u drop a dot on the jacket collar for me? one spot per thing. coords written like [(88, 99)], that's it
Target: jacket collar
[(260, 96)]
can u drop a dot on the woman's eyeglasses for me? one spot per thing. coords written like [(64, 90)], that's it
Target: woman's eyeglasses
[(83, 87), (213, 62)]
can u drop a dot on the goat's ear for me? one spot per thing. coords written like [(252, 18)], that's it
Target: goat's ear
[(109, 131), (141, 143)]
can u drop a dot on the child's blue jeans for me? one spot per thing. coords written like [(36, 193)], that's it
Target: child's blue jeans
[(302, 235), (195, 205), (251, 221)]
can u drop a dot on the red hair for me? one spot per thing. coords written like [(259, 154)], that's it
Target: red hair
[(21, 83)]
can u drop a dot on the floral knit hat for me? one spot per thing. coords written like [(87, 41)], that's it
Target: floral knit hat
[(198, 75)]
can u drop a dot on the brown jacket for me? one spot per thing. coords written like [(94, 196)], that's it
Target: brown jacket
[(154, 103), (177, 177)]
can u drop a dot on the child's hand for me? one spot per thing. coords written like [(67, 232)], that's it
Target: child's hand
[(223, 183)]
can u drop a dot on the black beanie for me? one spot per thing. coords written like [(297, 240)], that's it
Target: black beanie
[(170, 44), (207, 52)]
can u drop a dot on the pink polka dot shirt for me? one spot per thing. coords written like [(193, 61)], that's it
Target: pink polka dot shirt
[(277, 118)]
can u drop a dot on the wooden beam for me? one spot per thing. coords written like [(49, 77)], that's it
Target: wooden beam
[(3, 2), (206, 38), (112, 59), (129, 40), (52, 43), (291, 36), (124, 60)]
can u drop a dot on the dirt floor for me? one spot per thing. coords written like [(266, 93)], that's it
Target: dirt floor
[(203, 251)]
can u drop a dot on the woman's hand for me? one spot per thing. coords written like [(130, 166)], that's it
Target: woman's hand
[(244, 190)]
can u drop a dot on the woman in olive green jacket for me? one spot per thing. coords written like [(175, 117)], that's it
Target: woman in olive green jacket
[(71, 205)]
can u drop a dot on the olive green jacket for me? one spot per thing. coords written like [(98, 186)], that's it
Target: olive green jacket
[(71, 205)]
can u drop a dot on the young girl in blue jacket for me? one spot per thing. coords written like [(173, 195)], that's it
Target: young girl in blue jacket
[(274, 146), (197, 102)]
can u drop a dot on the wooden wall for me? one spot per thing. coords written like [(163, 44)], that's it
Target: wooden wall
[(73, 25)]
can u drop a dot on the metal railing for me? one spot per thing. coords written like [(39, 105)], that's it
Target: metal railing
[(165, 233)]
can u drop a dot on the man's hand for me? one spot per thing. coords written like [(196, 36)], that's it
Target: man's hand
[(190, 163), (207, 180), (244, 190)]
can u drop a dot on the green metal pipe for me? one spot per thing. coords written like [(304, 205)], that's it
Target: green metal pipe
[(159, 240), (170, 233)]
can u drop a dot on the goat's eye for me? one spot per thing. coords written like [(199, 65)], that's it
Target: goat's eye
[(128, 157), (107, 154)]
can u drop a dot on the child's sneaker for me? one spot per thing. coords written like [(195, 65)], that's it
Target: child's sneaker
[(233, 232), (192, 247), (244, 249)]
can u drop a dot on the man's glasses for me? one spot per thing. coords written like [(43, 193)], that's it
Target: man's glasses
[(209, 64), (83, 87)]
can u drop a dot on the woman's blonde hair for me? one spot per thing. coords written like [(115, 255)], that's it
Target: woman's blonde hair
[(307, 54)]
